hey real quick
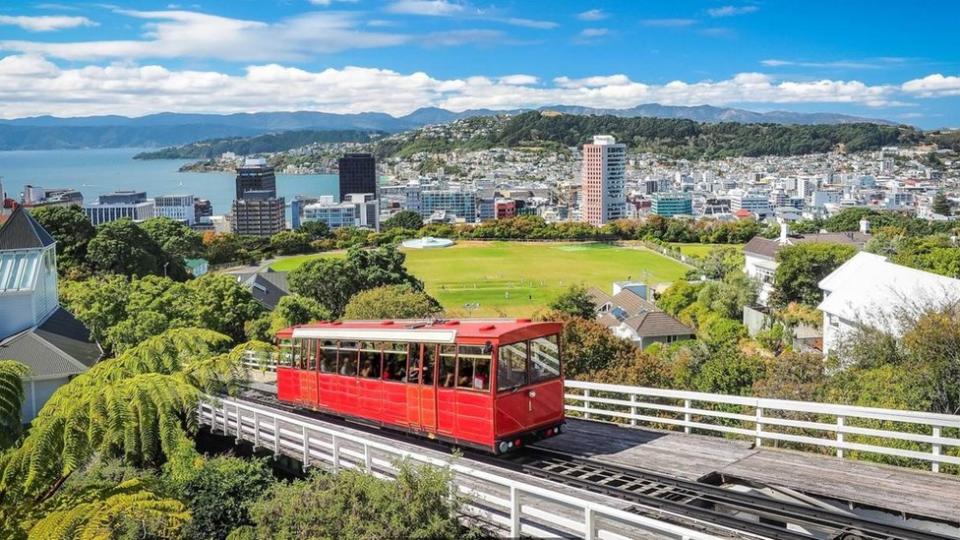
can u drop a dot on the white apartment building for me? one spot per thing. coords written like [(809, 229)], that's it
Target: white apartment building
[(757, 203), (178, 207), (603, 178), (357, 210)]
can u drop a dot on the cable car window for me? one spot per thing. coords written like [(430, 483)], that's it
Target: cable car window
[(512, 366), (347, 357), (297, 354), (448, 366), (429, 364), (328, 357), (370, 360), (394, 361), (310, 354), (544, 358), (474, 370)]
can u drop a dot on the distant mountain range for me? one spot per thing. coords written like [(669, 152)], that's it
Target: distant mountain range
[(167, 129)]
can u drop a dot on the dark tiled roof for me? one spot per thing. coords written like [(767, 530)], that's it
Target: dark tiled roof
[(765, 247), (599, 297), (633, 303), (55, 348), (658, 323), (21, 231), (268, 287)]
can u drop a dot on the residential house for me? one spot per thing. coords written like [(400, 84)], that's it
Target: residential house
[(629, 316), (870, 291), (34, 329)]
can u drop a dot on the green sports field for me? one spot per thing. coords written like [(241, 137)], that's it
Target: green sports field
[(517, 279), (700, 250)]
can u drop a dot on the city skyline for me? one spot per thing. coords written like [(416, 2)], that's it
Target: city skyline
[(396, 56)]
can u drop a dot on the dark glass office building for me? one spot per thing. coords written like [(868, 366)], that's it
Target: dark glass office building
[(257, 211), (358, 174), (255, 175)]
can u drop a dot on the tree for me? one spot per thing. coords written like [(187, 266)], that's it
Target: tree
[(295, 309), (678, 296), (219, 494), (11, 398), (290, 242), (796, 376), (121, 247), (217, 302), (801, 267), (72, 230), (589, 346), (391, 302), (332, 281), (729, 372), (353, 504), (405, 219), (315, 229), (575, 301), (941, 205), (174, 237)]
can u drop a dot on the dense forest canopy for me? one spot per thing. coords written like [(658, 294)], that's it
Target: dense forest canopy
[(270, 142)]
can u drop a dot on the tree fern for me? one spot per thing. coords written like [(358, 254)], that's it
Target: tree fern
[(104, 513), (11, 399)]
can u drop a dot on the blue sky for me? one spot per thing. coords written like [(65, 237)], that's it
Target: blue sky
[(878, 59)]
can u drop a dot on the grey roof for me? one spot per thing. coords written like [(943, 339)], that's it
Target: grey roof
[(657, 323), (21, 231), (268, 287), (55, 348), (765, 247)]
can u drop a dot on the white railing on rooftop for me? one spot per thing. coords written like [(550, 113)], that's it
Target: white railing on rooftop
[(799, 425), (517, 507)]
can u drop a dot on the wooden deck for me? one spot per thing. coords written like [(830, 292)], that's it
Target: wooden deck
[(692, 457)]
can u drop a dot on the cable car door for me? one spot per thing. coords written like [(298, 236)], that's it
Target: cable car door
[(421, 393)]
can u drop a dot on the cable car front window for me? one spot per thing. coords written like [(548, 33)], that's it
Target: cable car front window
[(544, 358), (512, 366)]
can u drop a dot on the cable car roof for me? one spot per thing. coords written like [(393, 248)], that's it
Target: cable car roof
[(443, 331)]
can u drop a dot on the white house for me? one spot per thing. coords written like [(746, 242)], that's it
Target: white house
[(629, 316), (34, 329), (869, 290)]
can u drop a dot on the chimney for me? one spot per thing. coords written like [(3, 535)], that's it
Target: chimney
[(864, 226), (784, 232)]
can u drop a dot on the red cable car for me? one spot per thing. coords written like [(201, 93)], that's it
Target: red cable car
[(493, 385)]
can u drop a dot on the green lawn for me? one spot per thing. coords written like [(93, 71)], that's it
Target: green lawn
[(700, 250), (517, 279)]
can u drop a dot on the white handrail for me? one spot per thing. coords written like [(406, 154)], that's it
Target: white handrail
[(763, 419), (519, 507), (687, 410)]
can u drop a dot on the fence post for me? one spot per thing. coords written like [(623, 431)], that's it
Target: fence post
[(336, 453), (590, 526), (276, 436), (633, 410), (686, 415), (759, 421), (256, 429), (306, 447), (586, 403), (935, 465), (367, 458), (239, 426), (840, 420), (514, 512)]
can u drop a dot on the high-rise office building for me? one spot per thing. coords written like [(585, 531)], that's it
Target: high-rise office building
[(178, 207), (255, 175), (358, 174), (672, 203), (604, 167), (257, 211)]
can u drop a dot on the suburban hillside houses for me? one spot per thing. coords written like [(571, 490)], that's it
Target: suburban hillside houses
[(869, 290), (630, 316), (34, 329), (760, 253)]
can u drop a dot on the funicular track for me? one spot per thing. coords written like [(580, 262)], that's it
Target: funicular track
[(667, 497), (755, 514)]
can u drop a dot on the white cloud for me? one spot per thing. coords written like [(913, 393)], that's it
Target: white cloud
[(837, 64), (329, 2), (592, 15), (594, 32), (668, 23), (31, 85), (935, 85), (452, 38), (730, 11), (430, 8), (189, 34), (45, 23), (528, 23)]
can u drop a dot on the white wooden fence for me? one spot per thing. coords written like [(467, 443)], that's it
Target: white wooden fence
[(768, 421), (517, 506)]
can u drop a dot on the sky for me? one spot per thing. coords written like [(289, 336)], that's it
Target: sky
[(875, 58)]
